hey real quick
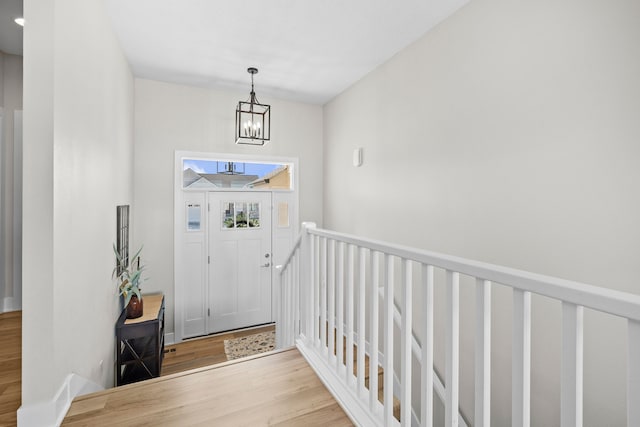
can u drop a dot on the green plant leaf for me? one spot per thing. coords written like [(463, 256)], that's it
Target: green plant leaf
[(127, 298), (130, 275)]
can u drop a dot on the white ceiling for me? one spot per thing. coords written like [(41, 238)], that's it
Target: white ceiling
[(306, 51)]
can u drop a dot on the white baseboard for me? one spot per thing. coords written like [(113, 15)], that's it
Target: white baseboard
[(169, 338), (51, 413), (9, 304)]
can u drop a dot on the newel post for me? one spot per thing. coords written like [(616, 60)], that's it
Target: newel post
[(306, 281)]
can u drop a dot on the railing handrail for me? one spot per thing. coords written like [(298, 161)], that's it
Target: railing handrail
[(607, 300), (292, 252), (313, 282), (437, 383)]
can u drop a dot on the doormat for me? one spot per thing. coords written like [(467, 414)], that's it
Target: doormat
[(236, 348)]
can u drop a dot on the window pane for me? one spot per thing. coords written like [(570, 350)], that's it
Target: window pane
[(207, 174), (283, 214), (227, 215), (193, 216), (241, 215), (122, 238), (254, 215)]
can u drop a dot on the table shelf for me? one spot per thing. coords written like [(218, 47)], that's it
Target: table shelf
[(140, 343)]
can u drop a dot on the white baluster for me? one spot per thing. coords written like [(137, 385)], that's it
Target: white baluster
[(308, 281), (633, 373), (340, 308), (279, 307), (572, 365), (299, 292), (373, 339), (452, 349), (483, 353), (405, 342), (295, 297), (316, 291), (361, 319), (292, 301), (521, 359), (323, 294), (426, 401), (287, 307), (332, 301), (349, 312), (388, 342)]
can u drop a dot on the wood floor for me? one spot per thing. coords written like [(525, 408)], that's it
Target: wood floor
[(275, 389), (200, 352), (10, 366), (280, 389)]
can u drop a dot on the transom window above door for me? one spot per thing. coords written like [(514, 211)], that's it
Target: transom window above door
[(216, 174)]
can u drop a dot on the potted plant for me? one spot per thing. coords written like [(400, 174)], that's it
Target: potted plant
[(128, 274)]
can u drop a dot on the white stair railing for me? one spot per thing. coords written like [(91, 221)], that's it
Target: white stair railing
[(321, 304)]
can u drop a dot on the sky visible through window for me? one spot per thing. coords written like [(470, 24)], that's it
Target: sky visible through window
[(212, 166)]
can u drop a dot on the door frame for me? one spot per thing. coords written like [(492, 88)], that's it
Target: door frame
[(284, 235)]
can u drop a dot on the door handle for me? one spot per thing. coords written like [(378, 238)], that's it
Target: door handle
[(266, 265)]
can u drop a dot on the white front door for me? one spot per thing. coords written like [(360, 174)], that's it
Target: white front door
[(240, 259)]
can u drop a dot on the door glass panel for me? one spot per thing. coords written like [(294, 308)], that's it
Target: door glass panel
[(194, 213), (227, 215), (240, 215), (254, 215)]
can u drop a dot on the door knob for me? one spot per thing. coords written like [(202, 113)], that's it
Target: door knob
[(266, 265)]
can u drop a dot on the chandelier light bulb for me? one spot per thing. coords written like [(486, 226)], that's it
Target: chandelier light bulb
[(252, 129)]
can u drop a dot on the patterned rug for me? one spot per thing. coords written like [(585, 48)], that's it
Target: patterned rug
[(251, 344)]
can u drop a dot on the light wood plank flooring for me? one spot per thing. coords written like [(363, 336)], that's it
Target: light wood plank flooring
[(10, 366), (298, 398), (277, 389), (200, 352)]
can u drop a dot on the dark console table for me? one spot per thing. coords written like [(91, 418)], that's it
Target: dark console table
[(140, 342)]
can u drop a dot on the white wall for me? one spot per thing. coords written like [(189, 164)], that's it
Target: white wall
[(78, 159), (171, 117), (10, 102), (508, 134)]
